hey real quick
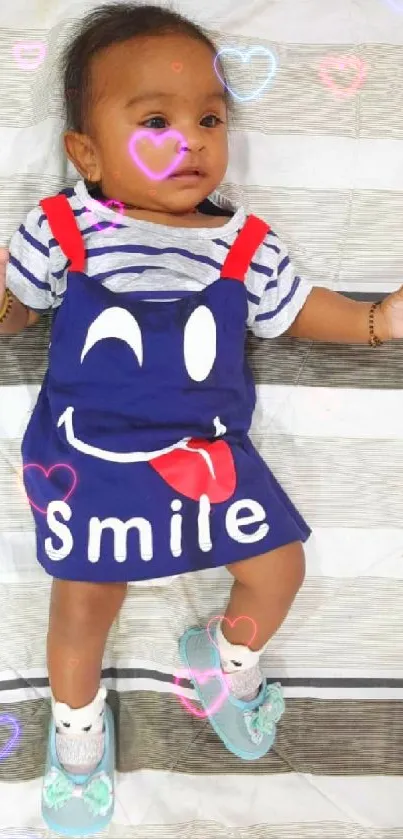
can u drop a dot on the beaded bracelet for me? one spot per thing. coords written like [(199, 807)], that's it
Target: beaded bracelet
[(7, 304), (374, 341)]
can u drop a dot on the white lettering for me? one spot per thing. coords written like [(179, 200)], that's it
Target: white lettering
[(233, 522), (120, 531), (176, 528), (203, 524), (60, 530), (240, 514)]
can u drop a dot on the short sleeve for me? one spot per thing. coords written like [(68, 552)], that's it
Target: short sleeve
[(29, 275), (276, 292)]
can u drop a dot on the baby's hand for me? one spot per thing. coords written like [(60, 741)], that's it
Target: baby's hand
[(392, 311), (3, 267)]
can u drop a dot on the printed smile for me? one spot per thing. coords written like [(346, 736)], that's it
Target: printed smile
[(66, 419), (191, 467)]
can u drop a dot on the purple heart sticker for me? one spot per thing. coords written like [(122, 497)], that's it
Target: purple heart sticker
[(157, 140), (7, 719)]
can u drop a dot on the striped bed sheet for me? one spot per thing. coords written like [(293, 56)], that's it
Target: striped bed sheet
[(324, 168)]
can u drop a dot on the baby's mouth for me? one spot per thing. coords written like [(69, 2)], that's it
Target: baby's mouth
[(66, 419), (188, 173)]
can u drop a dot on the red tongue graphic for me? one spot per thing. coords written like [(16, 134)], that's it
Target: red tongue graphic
[(189, 471)]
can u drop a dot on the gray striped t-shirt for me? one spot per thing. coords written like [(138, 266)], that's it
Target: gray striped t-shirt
[(157, 261)]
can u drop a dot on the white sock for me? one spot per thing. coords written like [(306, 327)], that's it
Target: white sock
[(241, 665), (80, 737)]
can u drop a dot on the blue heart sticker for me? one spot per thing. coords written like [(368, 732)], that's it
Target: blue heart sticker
[(245, 56), (397, 5), (11, 721)]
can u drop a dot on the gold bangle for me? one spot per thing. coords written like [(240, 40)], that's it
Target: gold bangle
[(374, 341), (7, 304)]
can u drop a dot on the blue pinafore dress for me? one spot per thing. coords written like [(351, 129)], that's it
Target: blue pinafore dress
[(136, 459)]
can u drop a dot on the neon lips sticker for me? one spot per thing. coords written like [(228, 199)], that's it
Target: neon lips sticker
[(245, 56), (203, 676), (7, 719), (339, 63), (157, 140), (29, 55), (47, 473)]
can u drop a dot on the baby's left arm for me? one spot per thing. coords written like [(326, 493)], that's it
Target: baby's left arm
[(329, 316), (283, 303)]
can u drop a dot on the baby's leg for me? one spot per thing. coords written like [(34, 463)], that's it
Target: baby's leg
[(81, 615), (264, 590)]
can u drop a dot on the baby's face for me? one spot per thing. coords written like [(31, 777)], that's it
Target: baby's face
[(157, 84)]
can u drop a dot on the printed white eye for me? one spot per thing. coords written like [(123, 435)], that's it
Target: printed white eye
[(115, 323), (200, 343)]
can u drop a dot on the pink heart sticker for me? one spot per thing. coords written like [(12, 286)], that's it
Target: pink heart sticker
[(157, 140), (29, 55), (7, 719), (340, 63), (72, 663), (47, 473), (110, 225), (232, 624), (203, 676)]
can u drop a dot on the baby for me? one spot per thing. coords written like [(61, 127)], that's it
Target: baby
[(142, 420)]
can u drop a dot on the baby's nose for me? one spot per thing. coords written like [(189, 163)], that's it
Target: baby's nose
[(189, 144)]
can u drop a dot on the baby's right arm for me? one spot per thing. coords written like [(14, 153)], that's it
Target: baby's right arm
[(26, 273), (19, 316)]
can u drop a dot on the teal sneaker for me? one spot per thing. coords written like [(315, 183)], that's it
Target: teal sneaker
[(79, 805), (247, 729)]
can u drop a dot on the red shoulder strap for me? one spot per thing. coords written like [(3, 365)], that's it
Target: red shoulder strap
[(244, 248), (64, 228)]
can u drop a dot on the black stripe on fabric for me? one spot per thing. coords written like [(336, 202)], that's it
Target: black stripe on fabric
[(157, 676)]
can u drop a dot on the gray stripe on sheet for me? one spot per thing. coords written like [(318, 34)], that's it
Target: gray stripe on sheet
[(316, 633), (273, 110), (320, 737), (319, 110), (333, 482), (213, 830), (279, 361), (334, 236)]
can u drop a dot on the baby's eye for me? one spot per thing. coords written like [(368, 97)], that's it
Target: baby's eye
[(210, 121), (155, 122)]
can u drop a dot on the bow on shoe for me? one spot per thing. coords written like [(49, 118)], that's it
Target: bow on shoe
[(97, 794), (263, 720)]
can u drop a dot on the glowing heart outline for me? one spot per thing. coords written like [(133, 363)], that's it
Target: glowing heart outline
[(339, 62), (47, 473), (232, 624), (112, 224), (14, 738), (203, 676), (248, 52), (27, 64), (397, 5), (157, 139)]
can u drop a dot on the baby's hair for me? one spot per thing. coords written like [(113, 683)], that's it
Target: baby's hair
[(111, 24)]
